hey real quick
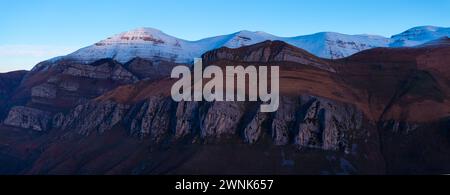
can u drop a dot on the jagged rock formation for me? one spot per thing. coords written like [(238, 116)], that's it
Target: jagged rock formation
[(146, 69), (91, 117), (306, 121), (152, 118), (371, 113), (44, 91), (28, 118), (186, 114), (66, 84), (254, 129), (328, 125), (102, 71)]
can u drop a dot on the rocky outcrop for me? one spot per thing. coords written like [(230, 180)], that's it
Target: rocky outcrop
[(220, 119), (399, 126), (69, 86), (65, 84), (305, 121), (92, 117), (312, 122), (151, 118), (44, 91), (28, 118), (327, 125), (147, 69), (103, 71), (187, 118), (403, 94), (284, 120), (253, 130)]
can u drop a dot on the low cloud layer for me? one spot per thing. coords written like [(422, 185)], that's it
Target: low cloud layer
[(20, 57), (33, 50)]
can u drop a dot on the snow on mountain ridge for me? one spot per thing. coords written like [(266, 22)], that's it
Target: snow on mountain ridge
[(419, 35), (336, 45), (150, 43), (141, 42)]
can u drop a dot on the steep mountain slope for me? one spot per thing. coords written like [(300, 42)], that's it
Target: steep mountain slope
[(148, 43), (59, 87), (419, 35), (408, 90), (236, 40), (268, 52), (154, 45), (181, 136), (391, 78), (8, 84), (335, 45), (380, 111)]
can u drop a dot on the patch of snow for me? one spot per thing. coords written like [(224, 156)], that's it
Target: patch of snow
[(335, 45), (419, 35), (153, 44)]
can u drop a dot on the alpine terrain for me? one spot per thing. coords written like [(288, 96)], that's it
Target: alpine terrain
[(350, 104)]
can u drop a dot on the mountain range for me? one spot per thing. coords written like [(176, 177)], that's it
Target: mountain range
[(149, 43), (107, 109)]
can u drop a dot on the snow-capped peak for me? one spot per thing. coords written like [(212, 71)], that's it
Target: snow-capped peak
[(141, 35), (419, 35), (244, 38), (153, 44), (148, 43), (336, 45)]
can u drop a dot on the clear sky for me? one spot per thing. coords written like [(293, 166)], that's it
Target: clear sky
[(35, 30)]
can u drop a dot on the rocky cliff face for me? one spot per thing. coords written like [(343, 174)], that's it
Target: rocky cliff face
[(91, 117), (305, 121), (28, 118), (63, 85), (371, 113), (153, 70)]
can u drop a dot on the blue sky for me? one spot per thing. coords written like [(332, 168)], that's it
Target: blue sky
[(32, 31)]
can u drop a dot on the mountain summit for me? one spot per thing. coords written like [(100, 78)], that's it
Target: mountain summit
[(153, 44), (146, 43), (419, 35)]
